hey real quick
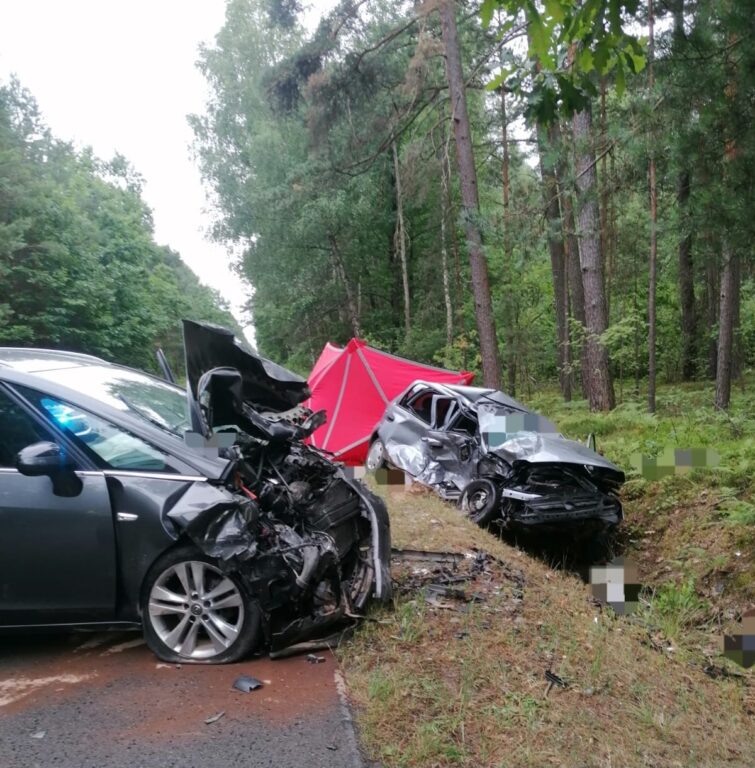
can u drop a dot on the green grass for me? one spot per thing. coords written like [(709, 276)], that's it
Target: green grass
[(676, 610), (696, 524), (685, 418), (435, 687)]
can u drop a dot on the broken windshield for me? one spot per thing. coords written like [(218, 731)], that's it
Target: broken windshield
[(516, 432)]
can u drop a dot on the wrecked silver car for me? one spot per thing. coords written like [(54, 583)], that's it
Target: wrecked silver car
[(196, 513), (503, 462)]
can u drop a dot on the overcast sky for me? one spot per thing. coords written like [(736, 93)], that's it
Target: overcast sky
[(121, 78)]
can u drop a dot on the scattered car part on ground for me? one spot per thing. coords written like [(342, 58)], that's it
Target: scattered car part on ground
[(246, 684), (503, 463), (424, 554), (199, 514), (329, 643), (447, 574), (554, 679)]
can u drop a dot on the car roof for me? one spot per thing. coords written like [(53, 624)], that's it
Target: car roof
[(473, 395), (36, 368), (32, 360)]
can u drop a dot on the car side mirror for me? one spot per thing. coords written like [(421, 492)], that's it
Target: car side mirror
[(50, 459)]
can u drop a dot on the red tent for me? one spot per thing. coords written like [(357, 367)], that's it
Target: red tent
[(354, 384)]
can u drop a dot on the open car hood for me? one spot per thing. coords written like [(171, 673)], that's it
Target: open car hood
[(266, 386)]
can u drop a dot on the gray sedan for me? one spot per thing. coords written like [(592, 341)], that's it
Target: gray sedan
[(110, 516)]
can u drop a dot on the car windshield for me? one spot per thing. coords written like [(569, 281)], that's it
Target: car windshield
[(500, 425), (162, 404)]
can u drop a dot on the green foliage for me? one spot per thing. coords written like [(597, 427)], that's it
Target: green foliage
[(313, 201), (297, 143), (79, 267), (675, 608), (573, 42), (738, 511)]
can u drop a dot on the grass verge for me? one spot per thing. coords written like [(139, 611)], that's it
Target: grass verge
[(444, 683), (696, 525)]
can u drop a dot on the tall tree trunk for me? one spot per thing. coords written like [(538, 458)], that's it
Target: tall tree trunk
[(446, 280), (400, 240), (686, 282), (729, 299), (460, 321), (712, 304), (686, 263), (573, 270), (612, 230), (340, 270), (599, 381), (444, 218), (454, 312), (653, 261), (491, 366), (548, 144), (510, 314), (737, 353), (603, 181), (729, 304)]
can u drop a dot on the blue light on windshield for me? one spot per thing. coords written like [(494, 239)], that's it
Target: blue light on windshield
[(61, 413), (67, 417)]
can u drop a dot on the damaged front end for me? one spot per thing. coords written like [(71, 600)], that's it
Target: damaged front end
[(311, 545), (547, 481), (547, 497)]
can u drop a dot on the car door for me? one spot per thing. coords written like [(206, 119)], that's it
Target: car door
[(448, 447), (57, 554), (404, 427)]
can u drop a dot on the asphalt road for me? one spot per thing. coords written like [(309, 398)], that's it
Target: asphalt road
[(104, 701)]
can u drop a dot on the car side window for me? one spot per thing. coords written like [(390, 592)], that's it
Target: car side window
[(422, 405), (108, 444), (17, 430), (411, 393), (464, 424), (441, 407)]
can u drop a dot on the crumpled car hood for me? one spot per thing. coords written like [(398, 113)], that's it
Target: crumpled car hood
[(266, 385), (311, 544), (537, 448)]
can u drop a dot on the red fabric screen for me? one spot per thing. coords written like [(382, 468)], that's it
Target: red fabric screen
[(354, 384)]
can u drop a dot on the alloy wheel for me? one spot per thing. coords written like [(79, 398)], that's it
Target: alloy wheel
[(375, 456), (196, 610)]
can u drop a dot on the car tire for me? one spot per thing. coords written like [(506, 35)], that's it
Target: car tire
[(481, 501), (193, 613), (375, 456)]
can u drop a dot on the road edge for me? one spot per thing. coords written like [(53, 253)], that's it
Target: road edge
[(357, 759)]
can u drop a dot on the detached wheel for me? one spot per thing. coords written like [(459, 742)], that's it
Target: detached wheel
[(480, 501), (375, 456), (193, 612)]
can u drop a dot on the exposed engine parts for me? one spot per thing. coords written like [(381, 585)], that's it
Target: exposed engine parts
[(311, 545)]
